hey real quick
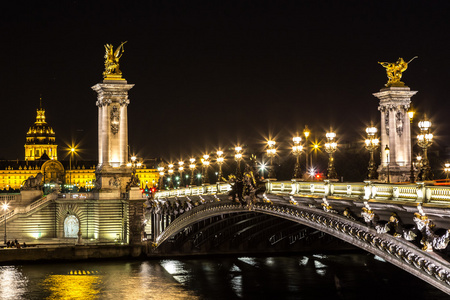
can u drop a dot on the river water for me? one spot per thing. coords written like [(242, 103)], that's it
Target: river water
[(343, 276)]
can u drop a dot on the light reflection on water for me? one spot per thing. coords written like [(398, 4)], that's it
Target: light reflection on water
[(72, 286), (13, 284), (292, 277)]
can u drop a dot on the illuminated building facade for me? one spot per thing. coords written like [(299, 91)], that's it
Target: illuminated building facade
[(41, 157), (40, 138), (112, 211)]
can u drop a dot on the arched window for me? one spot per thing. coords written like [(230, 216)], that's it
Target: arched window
[(71, 226)]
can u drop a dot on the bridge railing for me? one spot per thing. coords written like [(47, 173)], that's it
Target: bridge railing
[(195, 190), (418, 192)]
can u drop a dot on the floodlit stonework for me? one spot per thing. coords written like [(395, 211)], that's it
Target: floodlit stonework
[(395, 133)]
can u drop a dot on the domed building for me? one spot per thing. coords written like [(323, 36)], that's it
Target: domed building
[(41, 156), (40, 138)]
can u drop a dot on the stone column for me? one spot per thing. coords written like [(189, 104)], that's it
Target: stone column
[(112, 100), (395, 133)]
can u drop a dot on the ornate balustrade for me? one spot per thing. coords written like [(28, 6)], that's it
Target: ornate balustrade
[(10, 197), (76, 196), (418, 192)]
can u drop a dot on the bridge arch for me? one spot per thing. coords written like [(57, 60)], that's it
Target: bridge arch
[(397, 251)]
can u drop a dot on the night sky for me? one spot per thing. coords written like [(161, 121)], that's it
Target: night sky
[(217, 73)]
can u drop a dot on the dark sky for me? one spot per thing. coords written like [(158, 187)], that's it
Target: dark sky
[(215, 73)]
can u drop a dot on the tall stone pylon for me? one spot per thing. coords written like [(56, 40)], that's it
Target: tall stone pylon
[(395, 133), (395, 100), (112, 100)]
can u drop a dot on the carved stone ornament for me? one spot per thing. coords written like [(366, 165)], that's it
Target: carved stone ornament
[(399, 122), (115, 119), (386, 121), (114, 182)]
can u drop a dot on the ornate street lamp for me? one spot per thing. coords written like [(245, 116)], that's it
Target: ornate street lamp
[(297, 150), (161, 177), (424, 140), (180, 170), (387, 150), (411, 117), (307, 133), (192, 167), (134, 164), (169, 178), (72, 151), (271, 151), (330, 148), (205, 162), (238, 157), (220, 160), (371, 144), (446, 169), (5, 208)]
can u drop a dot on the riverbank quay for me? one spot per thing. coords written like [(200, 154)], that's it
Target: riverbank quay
[(42, 253)]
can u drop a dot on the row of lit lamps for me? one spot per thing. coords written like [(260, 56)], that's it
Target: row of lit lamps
[(424, 140), (297, 149)]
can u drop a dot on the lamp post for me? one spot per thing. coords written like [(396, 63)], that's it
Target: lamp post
[(180, 170), (306, 132), (169, 177), (271, 151), (161, 177), (386, 150), (5, 208), (134, 164), (238, 157), (297, 150), (205, 162), (371, 144), (220, 160), (424, 140), (330, 148), (411, 117), (446, 169), (72, 151), (192, 167), (418, 162)]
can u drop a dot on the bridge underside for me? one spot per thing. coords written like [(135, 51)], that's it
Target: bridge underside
[(293, 223), (249, 232)]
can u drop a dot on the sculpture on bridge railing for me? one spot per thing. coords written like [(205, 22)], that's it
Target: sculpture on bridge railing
[(248, 187), (394, 225), (423, 228), (430, 240)]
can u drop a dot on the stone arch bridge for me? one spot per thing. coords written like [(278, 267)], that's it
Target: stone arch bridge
[(406, 225)]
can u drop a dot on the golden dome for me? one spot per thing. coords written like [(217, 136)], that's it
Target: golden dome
[(40, 132)]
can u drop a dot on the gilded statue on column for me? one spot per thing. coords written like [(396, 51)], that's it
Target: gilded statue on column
[(112, 58), (394, 71)]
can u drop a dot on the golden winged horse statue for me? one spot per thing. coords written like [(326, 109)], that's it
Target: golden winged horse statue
[(112, 61)]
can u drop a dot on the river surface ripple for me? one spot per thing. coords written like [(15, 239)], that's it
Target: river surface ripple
[(343, 276)]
